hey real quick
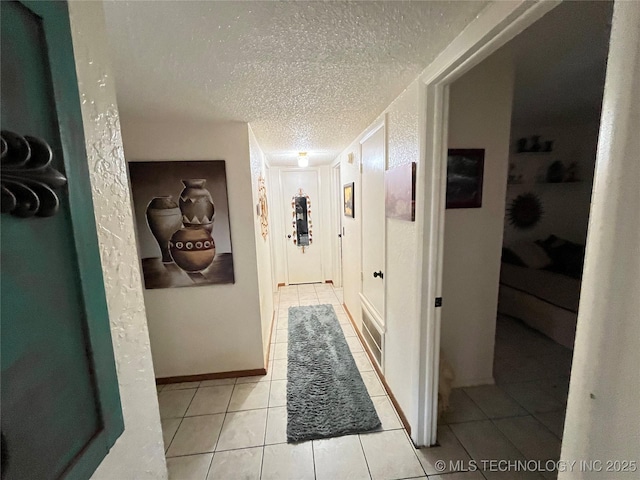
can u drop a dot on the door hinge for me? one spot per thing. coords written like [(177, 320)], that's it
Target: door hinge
[(360, 167), (361, 275), (438, 301)]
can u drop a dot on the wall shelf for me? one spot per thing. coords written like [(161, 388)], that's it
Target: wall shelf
[(531, 184)]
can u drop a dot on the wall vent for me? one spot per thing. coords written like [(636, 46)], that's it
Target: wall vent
[(373, 336)]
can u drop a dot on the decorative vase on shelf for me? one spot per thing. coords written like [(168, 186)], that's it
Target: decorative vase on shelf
[(196, 204), (192, 248), (535, 143), (522, 145), (164, 218), (555, 172)]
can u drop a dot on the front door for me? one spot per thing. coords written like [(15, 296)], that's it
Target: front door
[(373, 220), (304, 262), (60, 404)]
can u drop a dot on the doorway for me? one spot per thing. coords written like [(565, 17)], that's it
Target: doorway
[(301, 213), (473, 49)]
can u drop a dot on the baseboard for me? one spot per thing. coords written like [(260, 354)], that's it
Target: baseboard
[(211, 376), (403, 417), (329, 281), (273, 322), (473, 382), (281, 284)]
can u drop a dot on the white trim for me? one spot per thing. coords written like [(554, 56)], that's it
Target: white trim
[(494, 27), (370, 311), (336, 222), (373, 313), (373, 128)]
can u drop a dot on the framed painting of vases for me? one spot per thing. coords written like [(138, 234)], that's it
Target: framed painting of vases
[(181, 211)]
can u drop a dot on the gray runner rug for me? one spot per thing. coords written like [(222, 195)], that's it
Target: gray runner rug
[(326, 396)]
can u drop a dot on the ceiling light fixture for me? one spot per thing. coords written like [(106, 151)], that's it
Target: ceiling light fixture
[(303, 160)]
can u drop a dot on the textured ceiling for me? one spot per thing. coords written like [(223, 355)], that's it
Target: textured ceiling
[(306, 75)]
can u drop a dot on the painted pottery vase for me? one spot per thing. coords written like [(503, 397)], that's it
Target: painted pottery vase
[(164, 218), (192, 248), (196, 204)]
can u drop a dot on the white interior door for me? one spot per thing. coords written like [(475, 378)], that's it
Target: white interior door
[(304, 264), (373, 220)]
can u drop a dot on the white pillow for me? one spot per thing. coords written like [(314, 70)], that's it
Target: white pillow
[(531, 254)]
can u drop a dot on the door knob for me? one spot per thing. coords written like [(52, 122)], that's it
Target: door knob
[(378, 274), (339, 235)]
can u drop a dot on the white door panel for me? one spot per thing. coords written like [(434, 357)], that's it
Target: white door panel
[(373, 219), (304, 264)]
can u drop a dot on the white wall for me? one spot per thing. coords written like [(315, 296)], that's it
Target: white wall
[(351, 234), (263, 245), (479, 117), (603, 411), (210, 328), (322, 217), (566, 205), (139, 452), (401, 342)]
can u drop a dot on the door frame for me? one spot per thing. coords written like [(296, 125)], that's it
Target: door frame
[(495, 26), (336, 222), (317, 218)]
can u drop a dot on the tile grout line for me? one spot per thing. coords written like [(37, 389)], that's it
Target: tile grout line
[(181, 420), (365, 456), (173, 436), (463, 447), (224, 419), (313, 460), (415, 452)]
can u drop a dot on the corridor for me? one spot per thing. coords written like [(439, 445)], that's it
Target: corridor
[(236, 428)]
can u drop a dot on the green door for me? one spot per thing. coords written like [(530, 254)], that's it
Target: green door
[(60, 404)]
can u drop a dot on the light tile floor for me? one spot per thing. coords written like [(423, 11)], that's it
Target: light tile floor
[(236, 428)]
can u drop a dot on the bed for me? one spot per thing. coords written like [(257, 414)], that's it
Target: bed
[(545, 297)]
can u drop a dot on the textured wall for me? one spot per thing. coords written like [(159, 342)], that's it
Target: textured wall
[(139, 452), (401, 347), (208, 328), (263, 245), (473, 236), (401, 268), (603, 412)]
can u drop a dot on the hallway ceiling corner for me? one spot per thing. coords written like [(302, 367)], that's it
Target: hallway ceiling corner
[(308, 76)]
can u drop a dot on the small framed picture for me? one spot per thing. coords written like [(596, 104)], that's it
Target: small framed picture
[(465, 168), (349, 200)]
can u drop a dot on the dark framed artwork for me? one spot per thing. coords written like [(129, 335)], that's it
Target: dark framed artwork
[(349, 200), (181, 212), (400, 192), (465, 168)]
